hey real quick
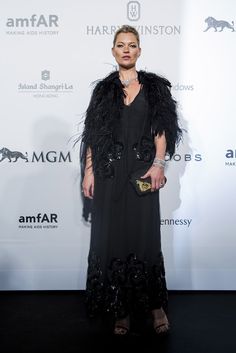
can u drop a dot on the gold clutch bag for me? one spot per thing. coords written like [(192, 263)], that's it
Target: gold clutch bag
[(142, 186)]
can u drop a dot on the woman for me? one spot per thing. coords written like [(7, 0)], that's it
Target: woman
[(130, 124)]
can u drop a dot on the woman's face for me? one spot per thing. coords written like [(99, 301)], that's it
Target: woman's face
[(126, 50)]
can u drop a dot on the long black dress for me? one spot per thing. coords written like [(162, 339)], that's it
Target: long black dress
[(125, 264)]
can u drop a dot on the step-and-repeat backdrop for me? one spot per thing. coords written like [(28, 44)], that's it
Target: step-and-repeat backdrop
[(51, 51)]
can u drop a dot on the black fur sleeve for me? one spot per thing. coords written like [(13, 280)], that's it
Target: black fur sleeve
[(86, 140), (101, 116), (163, 111), (88, 134), (167, 121)]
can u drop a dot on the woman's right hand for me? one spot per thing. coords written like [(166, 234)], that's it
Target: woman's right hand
[(88, 184)]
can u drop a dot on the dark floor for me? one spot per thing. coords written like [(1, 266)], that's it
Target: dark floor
[(55, 321)]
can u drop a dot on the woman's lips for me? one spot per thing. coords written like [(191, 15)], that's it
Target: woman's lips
[(126, 57)]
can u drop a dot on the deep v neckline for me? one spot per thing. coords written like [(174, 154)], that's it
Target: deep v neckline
[(128, 105)]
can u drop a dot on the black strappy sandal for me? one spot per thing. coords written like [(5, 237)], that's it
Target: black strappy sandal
[(161, 324), (121, 330), (122, 327), (160, 332)]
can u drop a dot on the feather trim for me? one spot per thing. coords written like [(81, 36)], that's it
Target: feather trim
[(162, 109), (104, 109)]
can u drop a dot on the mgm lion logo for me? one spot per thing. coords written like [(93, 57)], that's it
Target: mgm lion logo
[(213, 23), (6, 153)]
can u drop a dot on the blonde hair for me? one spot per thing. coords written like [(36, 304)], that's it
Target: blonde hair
[(126, 29)]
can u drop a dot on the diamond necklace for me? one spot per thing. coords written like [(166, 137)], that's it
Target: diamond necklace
[(126, 83)]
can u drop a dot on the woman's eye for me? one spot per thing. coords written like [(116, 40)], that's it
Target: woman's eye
[(119, 45), (133, 46)]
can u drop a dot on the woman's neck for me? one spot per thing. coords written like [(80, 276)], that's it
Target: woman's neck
[(127, 74)]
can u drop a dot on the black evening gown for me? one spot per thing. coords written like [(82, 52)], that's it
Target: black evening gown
[(125, 264)]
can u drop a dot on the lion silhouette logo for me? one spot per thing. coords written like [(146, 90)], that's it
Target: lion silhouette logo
[(213, 23), (12, 156)]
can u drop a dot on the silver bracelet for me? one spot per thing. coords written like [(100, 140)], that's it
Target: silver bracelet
[(159, 163)]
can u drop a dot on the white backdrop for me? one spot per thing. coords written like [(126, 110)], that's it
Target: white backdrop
[(50, 53)]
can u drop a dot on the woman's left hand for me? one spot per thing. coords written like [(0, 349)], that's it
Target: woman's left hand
[(157, 176)]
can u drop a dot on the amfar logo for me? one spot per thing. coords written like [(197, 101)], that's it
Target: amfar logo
[(215, 24), (231, 154), (133, 10), (33, 21), (39, 221), (50, 156)]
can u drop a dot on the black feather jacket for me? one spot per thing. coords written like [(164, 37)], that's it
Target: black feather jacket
[(105, 106)]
